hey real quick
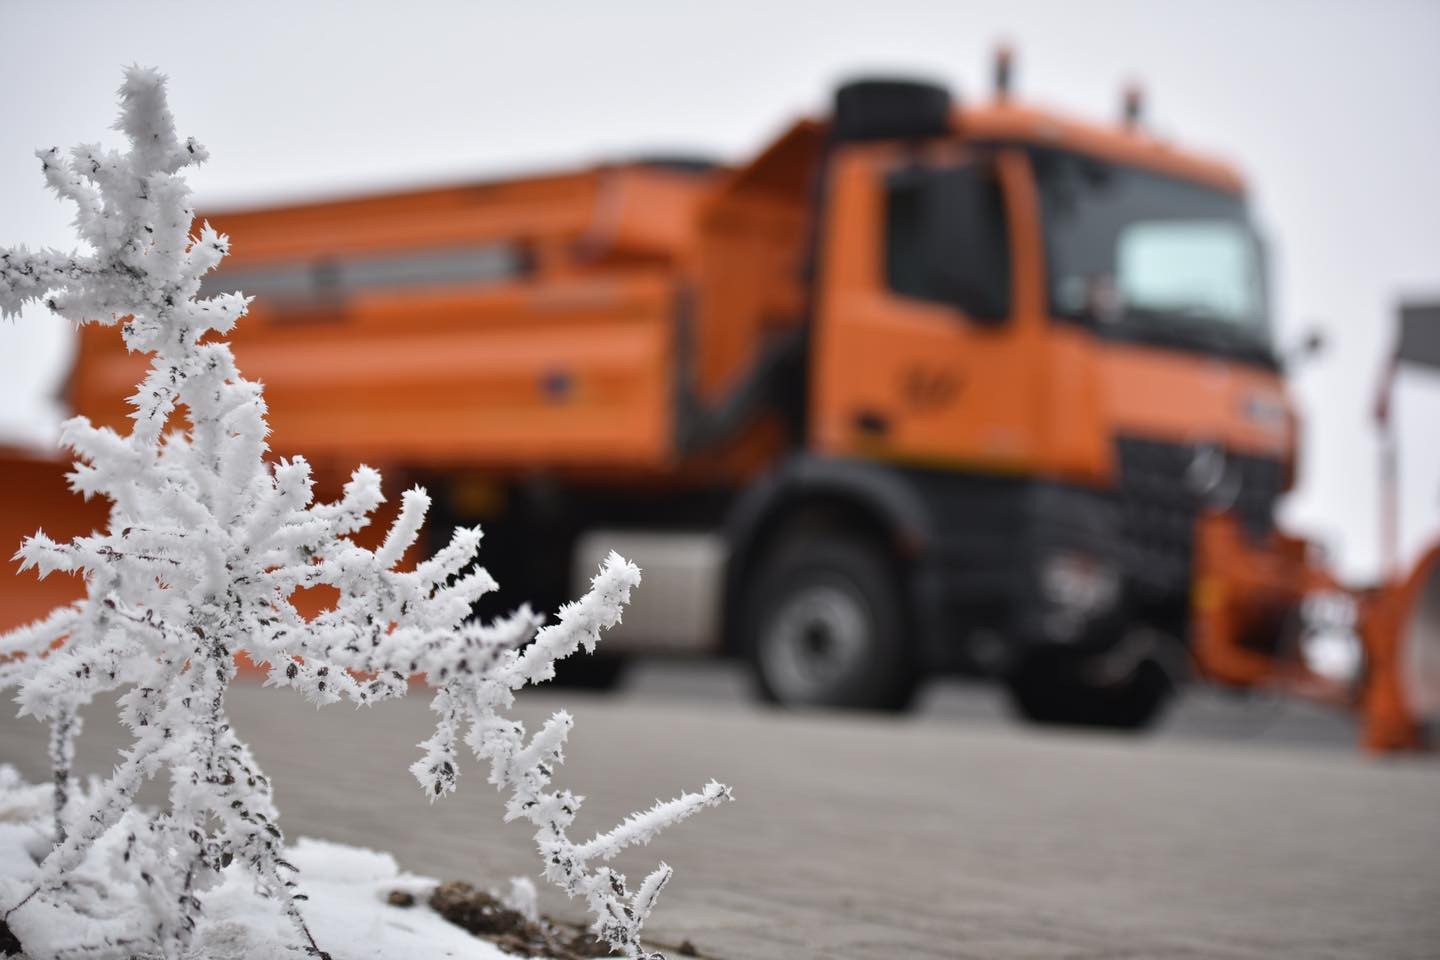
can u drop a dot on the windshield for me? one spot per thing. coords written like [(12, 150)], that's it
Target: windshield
[(1144, 253)]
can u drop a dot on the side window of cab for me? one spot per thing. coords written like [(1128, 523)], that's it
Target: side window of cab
[(946, 239)]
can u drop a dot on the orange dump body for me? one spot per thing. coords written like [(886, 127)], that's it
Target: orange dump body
[(521, 324)]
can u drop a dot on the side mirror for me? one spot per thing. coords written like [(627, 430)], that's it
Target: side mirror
[(1311, 344)]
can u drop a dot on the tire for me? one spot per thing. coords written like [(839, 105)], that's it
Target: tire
[(1053, 691), (599, 672), (825, 627)]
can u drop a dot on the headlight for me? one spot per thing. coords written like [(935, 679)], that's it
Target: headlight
[(1076, 587), (1329, 644)]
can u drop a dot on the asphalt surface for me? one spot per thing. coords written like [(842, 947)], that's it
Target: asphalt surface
[(1243, 829)]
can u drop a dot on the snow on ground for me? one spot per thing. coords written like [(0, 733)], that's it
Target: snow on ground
[(347, 911)]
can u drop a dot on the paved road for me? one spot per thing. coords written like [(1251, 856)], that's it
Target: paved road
[(1240, 832)]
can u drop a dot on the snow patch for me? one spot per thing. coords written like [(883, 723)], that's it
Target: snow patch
[(347, 911)]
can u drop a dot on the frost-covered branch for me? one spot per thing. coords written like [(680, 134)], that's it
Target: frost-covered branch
[(208, 542), (526, 768)]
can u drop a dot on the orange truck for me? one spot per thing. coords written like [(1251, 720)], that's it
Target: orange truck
[(921, 387)]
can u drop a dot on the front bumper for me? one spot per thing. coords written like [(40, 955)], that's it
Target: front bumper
[(1017, 564)]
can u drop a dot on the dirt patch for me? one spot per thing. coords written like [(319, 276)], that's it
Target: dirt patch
[(9, 945), (485, 916)]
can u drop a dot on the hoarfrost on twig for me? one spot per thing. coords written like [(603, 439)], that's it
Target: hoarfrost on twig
[(207, 542)]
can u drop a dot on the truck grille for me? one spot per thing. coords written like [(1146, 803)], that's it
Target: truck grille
[(1159, 504)]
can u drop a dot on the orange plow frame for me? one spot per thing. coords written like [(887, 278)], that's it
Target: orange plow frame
[(1243, 588)]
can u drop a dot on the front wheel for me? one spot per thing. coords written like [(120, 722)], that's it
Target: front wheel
[(1061, 691), (825, 627)]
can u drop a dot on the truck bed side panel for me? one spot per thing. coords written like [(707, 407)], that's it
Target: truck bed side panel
[(510, 375)]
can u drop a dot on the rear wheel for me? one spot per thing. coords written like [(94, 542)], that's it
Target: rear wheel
[(1064, 691), (825, 627), (590, 671)]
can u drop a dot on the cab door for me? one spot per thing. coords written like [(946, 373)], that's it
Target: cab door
[(927, 323)]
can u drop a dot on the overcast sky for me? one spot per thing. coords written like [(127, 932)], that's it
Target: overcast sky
[(1329, 108)]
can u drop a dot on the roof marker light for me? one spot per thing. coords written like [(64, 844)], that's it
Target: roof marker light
[(1133, 106), (1004, 70)]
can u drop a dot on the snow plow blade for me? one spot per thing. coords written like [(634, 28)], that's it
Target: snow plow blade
[(1402, 639)]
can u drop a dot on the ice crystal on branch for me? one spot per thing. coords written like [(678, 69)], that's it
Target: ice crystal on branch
[(207, 543)]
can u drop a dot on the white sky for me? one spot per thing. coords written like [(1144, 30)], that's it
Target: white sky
[(1329, 107)]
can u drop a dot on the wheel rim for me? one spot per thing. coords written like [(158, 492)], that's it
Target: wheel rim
[(817, 638)]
